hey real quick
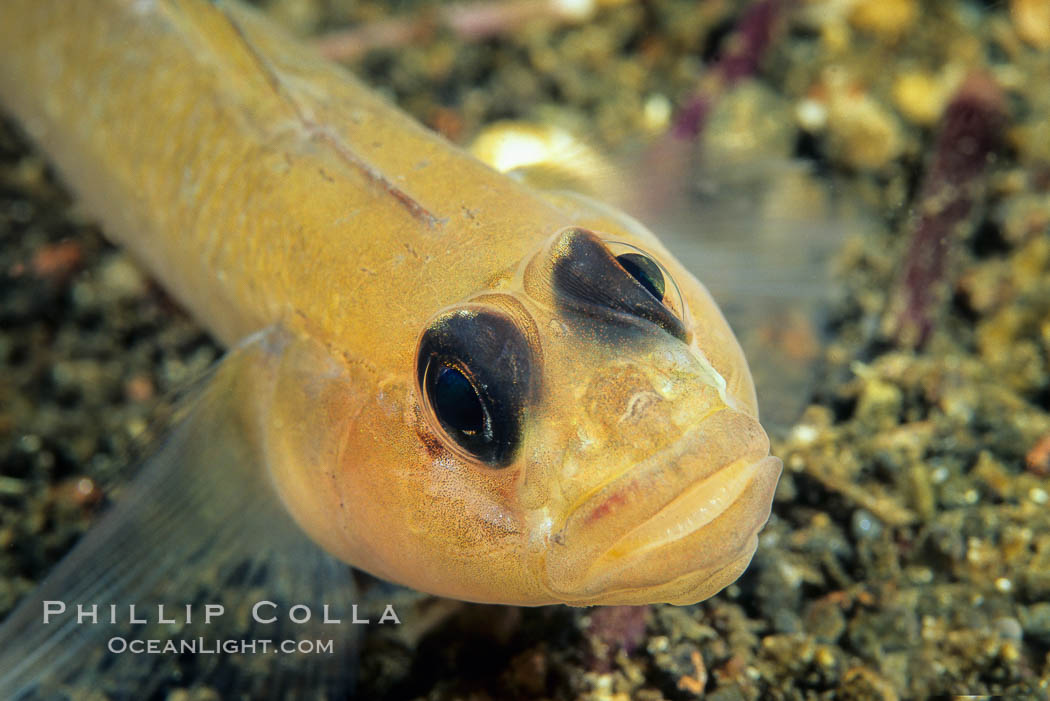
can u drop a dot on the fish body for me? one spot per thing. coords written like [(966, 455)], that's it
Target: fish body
[(454, 381)]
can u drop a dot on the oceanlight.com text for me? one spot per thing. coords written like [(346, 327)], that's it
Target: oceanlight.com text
[(212, 646)]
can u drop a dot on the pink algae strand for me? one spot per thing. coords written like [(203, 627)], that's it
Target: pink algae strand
[(948, 201)]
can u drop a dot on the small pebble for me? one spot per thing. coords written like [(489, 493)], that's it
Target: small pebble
[(920, 97), (864, 526), (1031, 19), (887, 19)]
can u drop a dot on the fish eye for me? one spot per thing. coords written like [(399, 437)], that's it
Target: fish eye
[(645, 270), (456, 403), (613, 280), (651, 275), (474, 369)]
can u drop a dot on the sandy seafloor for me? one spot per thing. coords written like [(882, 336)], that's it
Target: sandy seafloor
[(908, 554)]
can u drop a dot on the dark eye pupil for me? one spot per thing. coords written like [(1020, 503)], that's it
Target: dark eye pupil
[(456, 402), (645, 271), (474, 373)]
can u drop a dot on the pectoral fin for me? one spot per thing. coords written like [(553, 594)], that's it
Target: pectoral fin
[(200, 526)]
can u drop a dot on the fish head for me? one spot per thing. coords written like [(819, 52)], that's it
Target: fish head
[(584, 432), (628, 457)]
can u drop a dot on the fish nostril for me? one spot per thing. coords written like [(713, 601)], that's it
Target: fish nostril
[(639, 406), (622, 407), (610, 391)]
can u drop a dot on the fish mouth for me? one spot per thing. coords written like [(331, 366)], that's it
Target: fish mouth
[(676, 528)]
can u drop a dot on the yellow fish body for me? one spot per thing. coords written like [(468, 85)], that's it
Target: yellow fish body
[(463, 385)]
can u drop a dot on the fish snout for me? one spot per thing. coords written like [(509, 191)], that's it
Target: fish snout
[(675, 527)]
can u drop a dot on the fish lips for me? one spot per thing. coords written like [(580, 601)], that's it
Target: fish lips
[(677, 527)]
